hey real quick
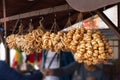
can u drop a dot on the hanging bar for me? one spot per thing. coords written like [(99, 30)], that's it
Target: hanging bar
[(36, 13), (108, 22)]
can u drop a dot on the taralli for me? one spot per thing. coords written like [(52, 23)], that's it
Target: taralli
[(94, 48), (11, 41), (88, 46)]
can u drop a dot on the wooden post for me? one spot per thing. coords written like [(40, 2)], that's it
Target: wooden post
[(5, 33), (118, 49), (108, 22), (119, 29)]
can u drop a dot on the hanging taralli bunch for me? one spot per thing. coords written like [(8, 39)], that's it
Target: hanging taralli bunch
[(23, 41), (93, 49), (32, 42), (37, 35), (20, 42), (11, 41), (77, 37), (20, 38), (58, 43), (29, 43), (46, 41), (74, 36), (51, 41), (68, 38)]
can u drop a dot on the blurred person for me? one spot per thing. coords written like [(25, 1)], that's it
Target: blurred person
[(84, 71), (90, 78), (60, 60), (8, 73), (47, 58)]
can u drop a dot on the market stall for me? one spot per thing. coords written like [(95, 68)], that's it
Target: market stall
[(40, 26)]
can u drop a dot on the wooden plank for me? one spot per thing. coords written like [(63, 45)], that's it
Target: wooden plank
[(109, 23), (37, 12)]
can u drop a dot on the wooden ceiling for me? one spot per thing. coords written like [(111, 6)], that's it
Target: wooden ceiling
[(14, 7)]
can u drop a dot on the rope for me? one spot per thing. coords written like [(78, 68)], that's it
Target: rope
[(54, 27), (80, 18), (20, 29), (68, 23), (30, 27), (15, 26)]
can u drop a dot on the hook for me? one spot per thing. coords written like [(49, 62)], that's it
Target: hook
[(30, 20), (54, 17), (69, 14), (41, 18), (54, 13), (69, 10), (39, 12), (104, 8), (92, 16), (21, 21)]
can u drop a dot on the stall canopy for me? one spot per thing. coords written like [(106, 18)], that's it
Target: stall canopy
[(91, 5)]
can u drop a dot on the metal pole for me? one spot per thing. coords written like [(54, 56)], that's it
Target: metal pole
[(5, 33), (109, 23)]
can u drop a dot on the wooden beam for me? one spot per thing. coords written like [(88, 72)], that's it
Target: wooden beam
[(4, 15), (37, 12), (109, 23)]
